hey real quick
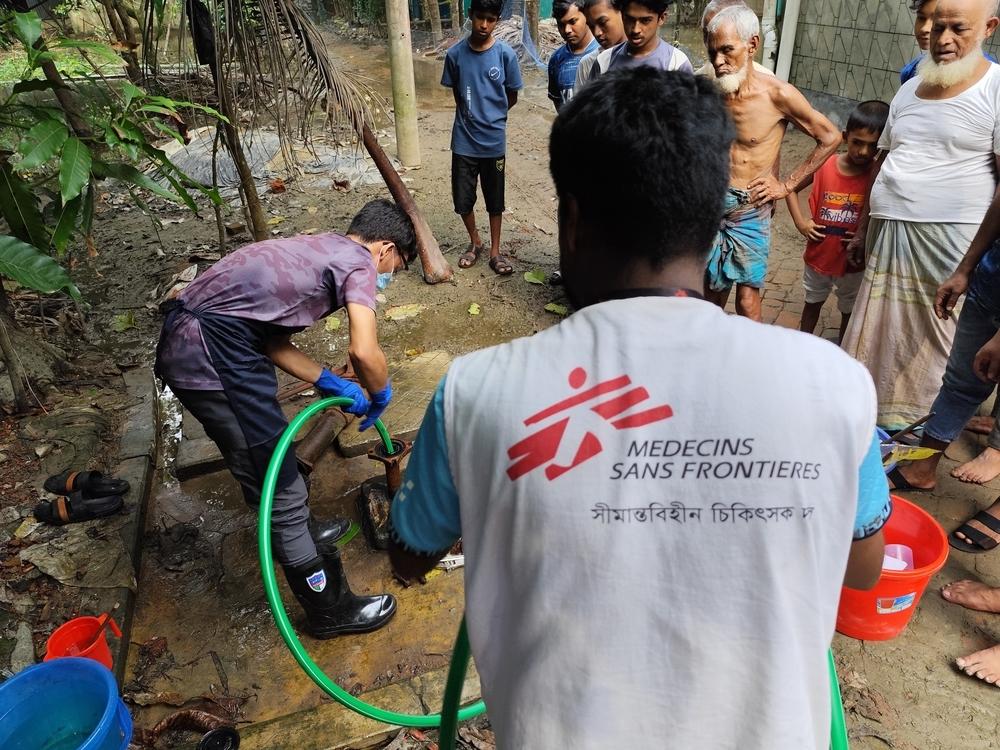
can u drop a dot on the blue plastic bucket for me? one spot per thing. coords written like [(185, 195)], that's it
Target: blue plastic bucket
[(63, 704)]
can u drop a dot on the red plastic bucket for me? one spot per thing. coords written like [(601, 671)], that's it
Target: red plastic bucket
[(76, 638), (883, 612)]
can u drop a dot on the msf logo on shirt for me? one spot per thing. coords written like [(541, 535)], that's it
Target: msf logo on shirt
[(586, 410)]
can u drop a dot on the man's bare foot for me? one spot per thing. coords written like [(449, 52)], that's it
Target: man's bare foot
[(981, 469), (973, 595), (918, 475), (981, 425), (990, 536), (983, 665)]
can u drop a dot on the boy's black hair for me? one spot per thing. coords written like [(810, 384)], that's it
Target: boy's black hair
[(584, 4), (561, 7), (870, 115), (668, 135), (493, 7), (916, 5), (659, 7), (383, 220)]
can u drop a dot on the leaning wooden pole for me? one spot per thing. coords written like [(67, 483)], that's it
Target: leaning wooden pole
[(404, 90), (436, 268)]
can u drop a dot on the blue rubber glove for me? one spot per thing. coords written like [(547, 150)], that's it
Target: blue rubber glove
[(330, 385), (380, 401)]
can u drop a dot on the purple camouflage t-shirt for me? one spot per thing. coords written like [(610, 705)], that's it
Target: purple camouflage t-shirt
[(289, 282)]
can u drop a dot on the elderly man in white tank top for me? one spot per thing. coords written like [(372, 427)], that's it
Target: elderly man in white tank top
[(934, 186)]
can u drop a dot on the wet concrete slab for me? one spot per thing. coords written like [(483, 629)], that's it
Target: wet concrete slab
[(330, 726), (200, 590), (413, 384)]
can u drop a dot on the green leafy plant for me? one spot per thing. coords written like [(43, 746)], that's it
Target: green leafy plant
[(52, 160), (54, 152)]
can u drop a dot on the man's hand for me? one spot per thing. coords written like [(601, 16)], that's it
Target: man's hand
[(378, 405), (949, 292), (330, 385), (811, 230), (855, 248), (767, 189), (986, 365)]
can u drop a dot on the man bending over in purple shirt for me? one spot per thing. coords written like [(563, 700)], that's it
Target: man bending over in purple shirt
[(221, 340)]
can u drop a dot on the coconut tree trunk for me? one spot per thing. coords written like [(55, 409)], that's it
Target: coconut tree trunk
[(125, 37), (531, 19), (436, 268), (434, 16)]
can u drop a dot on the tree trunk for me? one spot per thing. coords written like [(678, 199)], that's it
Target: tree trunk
[(434, 16), (231, 137), (404, 93), (456, 16), (531, 19), (65, 97), (436, 268), (125, 38), (14, 370)]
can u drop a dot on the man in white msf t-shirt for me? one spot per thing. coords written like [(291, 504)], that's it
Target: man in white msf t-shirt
[(656, 500)]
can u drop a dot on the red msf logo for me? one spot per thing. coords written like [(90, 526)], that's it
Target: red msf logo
[(544, 446)]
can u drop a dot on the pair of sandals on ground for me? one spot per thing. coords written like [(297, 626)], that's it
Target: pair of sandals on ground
[(499, 263), (83, 496)]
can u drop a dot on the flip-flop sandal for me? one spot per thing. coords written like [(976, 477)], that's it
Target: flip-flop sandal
[(89, 483), (500, 265), (469, 257), (899, 482), (980, 542), (75, 508)]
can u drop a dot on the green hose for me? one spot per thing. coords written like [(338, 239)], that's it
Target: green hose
[(278, 609), (460, 657), (838, 724)]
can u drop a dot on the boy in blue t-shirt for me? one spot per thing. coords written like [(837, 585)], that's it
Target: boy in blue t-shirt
[(572, 25), (484, 75)]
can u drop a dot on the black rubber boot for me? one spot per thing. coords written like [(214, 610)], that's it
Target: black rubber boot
[(326, 532), (331, 607)]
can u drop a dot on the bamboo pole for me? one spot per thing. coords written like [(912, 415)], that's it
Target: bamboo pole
[(404, 92)]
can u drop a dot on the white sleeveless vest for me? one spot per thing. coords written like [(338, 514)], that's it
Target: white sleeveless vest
[(657, 506)]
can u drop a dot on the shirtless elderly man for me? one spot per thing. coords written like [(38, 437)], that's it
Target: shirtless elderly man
[(761, 108)]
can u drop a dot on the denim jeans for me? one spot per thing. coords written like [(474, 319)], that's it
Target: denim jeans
[(961, 389)]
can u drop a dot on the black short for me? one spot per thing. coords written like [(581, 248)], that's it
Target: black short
[(464, 170)]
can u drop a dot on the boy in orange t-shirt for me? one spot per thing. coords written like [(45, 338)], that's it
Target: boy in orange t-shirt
[(838, 194)]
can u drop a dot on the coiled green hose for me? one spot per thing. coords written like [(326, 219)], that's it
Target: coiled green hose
[(291, 640)]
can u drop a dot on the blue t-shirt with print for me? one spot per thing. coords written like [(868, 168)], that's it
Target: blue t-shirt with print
[(562, 71), (481, 81), (426, 516), (910, 69)]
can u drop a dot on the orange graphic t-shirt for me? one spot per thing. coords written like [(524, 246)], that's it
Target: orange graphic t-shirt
[(836, 201)]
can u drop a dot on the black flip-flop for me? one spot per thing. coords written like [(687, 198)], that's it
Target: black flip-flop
[(75, 508), (899, 482), (979, 541), (89, 483)]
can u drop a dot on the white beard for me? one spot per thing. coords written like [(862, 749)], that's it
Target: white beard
[(731, 82), (945, 75)]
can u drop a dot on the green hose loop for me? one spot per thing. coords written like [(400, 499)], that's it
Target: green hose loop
[(278, 609), (453, 689), (838, 724)]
